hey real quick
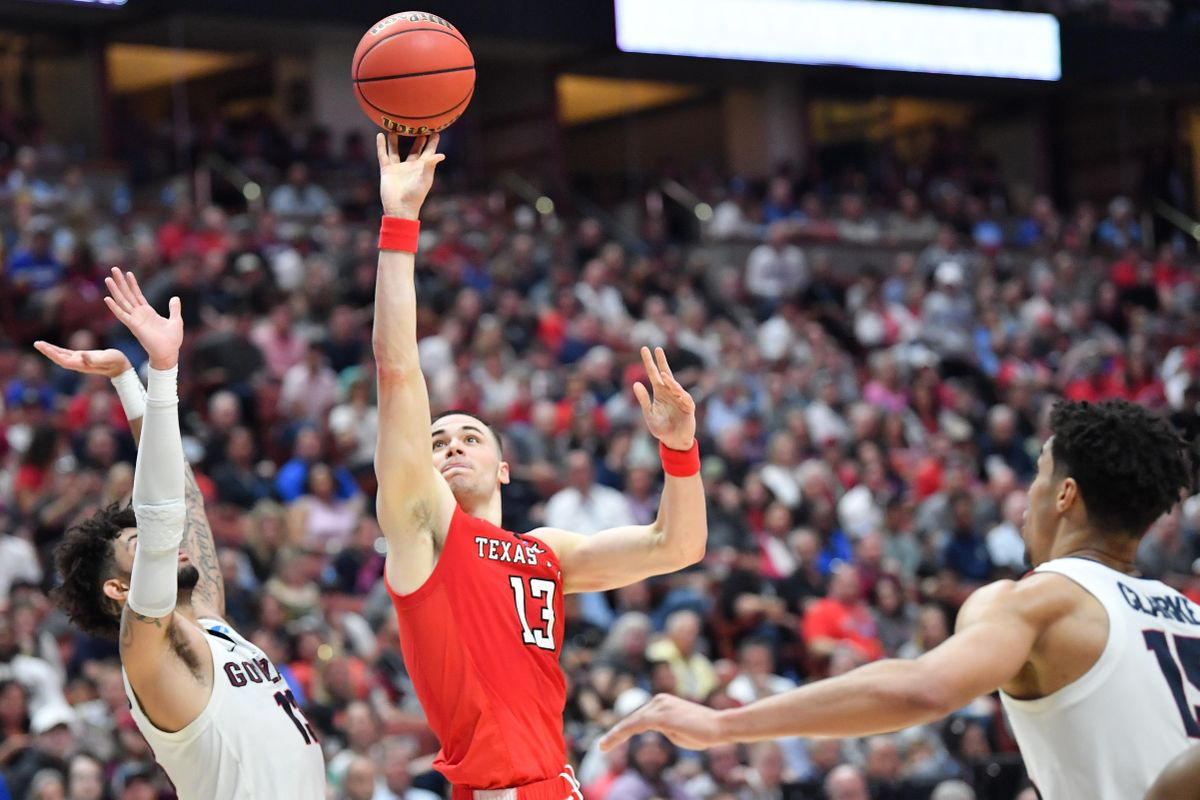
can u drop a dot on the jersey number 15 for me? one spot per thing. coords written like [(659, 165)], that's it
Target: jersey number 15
[(1189, 657)]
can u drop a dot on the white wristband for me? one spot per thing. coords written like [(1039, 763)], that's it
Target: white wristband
[(132, 394)]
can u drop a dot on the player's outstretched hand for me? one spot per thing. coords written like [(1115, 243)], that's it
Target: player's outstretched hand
[(404, 182), (109, 363), (688, 725), (671, 415), (160, 336)]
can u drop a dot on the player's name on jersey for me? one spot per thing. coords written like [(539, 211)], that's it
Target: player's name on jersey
[(1174, 607), (256, 671), (511, 552)]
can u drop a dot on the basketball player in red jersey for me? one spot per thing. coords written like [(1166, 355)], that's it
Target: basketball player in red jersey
[(480, 608)]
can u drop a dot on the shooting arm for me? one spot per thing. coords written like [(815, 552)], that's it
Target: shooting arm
[(414, 504)]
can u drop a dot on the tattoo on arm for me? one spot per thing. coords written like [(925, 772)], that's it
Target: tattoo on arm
[(127, 628), (209, 594)]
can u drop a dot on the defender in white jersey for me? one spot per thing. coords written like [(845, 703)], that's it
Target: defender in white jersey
[(215, 711), (1099, 669)]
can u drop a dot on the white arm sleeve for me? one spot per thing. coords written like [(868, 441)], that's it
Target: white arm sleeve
[(158, 500), (132, 394)]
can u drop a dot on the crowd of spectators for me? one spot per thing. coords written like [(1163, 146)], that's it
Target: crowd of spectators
[(873, 370)]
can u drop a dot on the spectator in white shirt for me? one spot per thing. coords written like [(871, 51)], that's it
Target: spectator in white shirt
[(309, 387), (597, 294), (588, 507), (394, 758), (583, 505), (776, 270), (18, 564), (299, 197), (1004, 542)]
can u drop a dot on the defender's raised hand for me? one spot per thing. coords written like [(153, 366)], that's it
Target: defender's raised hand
[(110, 363), (671, 415), (160, 336), (404, 182)]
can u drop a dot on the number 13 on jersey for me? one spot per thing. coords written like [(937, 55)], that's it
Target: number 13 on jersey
[(538, 589)]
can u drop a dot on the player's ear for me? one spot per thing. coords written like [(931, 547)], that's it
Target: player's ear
[(116, 589), (1068, 493), (503, 474)]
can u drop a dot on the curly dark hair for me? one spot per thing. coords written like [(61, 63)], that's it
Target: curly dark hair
[(84, 558), (1130, 464)]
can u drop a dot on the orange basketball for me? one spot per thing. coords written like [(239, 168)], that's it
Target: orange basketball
[(413, 73)]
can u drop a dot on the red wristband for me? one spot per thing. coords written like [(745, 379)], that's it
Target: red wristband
[(680, 463), (399, 234)]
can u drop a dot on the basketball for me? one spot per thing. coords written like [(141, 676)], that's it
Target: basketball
[(413, 73)]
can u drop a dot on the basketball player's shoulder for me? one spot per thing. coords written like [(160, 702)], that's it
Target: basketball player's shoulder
[(1038, 598)]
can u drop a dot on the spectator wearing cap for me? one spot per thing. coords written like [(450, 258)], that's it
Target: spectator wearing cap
[(53, 728)]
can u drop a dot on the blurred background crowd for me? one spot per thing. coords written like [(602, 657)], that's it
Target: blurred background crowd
[(867, 432), (873, 340)]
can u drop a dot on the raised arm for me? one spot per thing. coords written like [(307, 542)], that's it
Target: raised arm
[(414, 504), (208, 598), (678, 536), (996, 633), (158, 649)]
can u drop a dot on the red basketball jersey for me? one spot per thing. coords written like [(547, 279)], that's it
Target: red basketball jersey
[(481, 640)]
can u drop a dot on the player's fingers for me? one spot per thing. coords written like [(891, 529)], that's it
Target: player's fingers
[(174, 309), (431, 145), (117, 311), (418, 148), (50, 351), (660, 358), (624, 730), (123, 285), (381, 149), (138, 297), (651, 369), (643, 396), (116, 295)]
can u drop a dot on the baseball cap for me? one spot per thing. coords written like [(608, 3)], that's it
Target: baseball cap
[(50, 716)]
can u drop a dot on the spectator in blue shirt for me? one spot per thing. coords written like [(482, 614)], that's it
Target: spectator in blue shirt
[(35, 267)]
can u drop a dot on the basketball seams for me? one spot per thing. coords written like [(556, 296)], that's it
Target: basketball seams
[(413, 74), (459, 104), (358, 62)]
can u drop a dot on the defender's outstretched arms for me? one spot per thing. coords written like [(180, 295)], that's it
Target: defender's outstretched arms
[(208, 598), (158, 649), (997, 629), (415, 504)]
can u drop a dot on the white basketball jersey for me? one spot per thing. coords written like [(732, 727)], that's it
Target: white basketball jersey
[(251, 742), (1109, 734)]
